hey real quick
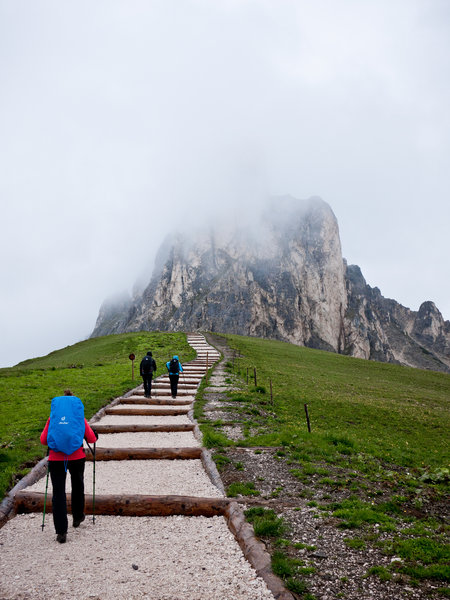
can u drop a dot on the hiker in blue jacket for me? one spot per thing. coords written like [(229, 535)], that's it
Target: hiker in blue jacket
[(174, 367)]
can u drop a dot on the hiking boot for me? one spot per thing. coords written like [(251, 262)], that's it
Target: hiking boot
[(61, 538), (76, 522)]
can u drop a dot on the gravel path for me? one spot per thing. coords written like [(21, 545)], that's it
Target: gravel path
[(177, 558), (127, 558), (148, 439), (160, 477), (144, 420), (156, 408)]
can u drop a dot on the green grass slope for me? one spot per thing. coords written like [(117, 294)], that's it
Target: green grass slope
[(396, 414), (375, 462), (97, 370)]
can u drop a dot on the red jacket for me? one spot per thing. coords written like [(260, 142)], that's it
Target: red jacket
[(88, 434)]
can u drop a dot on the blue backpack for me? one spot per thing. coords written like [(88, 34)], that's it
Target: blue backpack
[(66, 428)]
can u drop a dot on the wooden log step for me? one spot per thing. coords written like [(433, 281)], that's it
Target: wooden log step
[(155, 401), (188, 453), (147, 411), (165, 383), (132, 505), (165, 389), (180, 392), (163, 428)]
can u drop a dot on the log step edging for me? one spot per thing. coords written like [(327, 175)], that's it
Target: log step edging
[(254, 550), (155, 401), (135, 505), (182, 453), (147, 412), (129, 428)]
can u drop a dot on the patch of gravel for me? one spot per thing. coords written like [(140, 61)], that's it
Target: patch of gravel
[(233, 432), (216, 415), (217, 405), (144, 420), (340, 571), (155, 408), (164, 558), (151, 477), (147, 439)]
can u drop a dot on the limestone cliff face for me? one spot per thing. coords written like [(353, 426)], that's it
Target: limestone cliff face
[(281, 278), (382, 329)]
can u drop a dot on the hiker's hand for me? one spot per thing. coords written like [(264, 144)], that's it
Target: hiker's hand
[(95, 432)]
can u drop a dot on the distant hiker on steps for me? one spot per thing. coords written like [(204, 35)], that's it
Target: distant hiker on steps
[(63, 434), (174, 367), (148, 366)]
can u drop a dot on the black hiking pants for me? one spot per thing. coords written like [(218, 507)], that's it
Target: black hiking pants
[(147, 379), (174, 384), (58, 476)]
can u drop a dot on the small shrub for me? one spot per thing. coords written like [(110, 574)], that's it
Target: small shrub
[(214, 439), (354, 513), (234, 398), (380, 572), (439, 475), (355, 543), (296, 586), (265, 522), (282, 565), (301, 546), (243, 488), (221, 460), (422, 549), (281, 543)]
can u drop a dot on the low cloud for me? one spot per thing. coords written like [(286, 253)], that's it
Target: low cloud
[(121, 121)]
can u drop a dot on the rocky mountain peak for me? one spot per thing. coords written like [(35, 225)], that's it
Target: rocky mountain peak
[(279, 274)]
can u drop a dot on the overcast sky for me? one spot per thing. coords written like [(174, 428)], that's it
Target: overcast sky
[(120, 119)]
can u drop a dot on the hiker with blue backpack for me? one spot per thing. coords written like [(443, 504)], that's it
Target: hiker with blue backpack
[(174, 367), (63, 434)]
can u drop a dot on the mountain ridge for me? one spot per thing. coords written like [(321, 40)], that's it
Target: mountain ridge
[(281, 276)]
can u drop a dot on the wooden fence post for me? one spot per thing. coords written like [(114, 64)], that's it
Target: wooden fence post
[(307, 418), (254, 373)]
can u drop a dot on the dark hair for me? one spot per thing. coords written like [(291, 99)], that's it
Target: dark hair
[(149, 353), (67, 393)]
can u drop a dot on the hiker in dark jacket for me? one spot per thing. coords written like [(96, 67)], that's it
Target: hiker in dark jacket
[(58, 464), (148, 366), (174, 367)]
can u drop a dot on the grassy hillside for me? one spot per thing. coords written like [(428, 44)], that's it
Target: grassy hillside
[(96, 370), (374, 466), (397, 414)]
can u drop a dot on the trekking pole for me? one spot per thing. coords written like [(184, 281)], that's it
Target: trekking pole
[(45, 496), (93, 480), (185, 384), (93, 490)]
